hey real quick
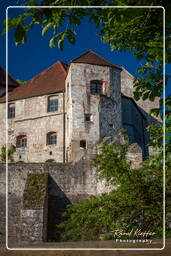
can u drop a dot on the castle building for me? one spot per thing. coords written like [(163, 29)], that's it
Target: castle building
[(61, 114)]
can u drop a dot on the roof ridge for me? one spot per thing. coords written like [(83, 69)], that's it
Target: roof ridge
[(60, 62), (34, 77), (82, 55), (90, 54)]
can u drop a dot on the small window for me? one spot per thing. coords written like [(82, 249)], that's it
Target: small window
[(88, 117), (51, 138), (95, 87), (11, 111), (82, 144), (21, 141), (52, 104)]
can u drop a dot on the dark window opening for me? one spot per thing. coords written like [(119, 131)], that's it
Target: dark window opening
[(11, 111), (82, 144), (87, 117), (52, 104), (51, 138), (50, 161), (21, 141), (96, 87), (50, 153)]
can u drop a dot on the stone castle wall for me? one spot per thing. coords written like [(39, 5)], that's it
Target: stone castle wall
[(80, 101), (67, 183), (127, 89), (33, 120)]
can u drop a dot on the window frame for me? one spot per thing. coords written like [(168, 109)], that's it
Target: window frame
[(21, 141), (11, 110), (51, 138), (96, 87), (51, 100)]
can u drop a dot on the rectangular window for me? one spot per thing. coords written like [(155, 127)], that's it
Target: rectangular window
[(51, 138), (52, 104), (95, 87), (88, 117), (11, 111), (21, 141)]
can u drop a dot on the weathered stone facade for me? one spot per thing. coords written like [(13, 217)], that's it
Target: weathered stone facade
[(91, 100), (33, 120), (108, 110), (105, 109), (30, 221)]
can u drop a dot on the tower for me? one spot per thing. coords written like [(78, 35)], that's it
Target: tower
[(92, 104)]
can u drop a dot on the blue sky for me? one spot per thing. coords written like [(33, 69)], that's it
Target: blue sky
[(26, 61)]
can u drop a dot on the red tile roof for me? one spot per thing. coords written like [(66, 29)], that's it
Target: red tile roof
[(11, 81), (53, 79), (49, 81), (91, 57)]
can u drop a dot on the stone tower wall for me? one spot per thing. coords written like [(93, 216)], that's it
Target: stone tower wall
[(104, 109)]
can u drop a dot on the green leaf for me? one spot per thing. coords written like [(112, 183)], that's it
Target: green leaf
[(60, 44), (52, 42), (20, 34), (46, 28)]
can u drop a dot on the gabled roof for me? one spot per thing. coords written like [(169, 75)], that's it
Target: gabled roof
[(52, 79), (93, 58), (11, 81), (49, 81)]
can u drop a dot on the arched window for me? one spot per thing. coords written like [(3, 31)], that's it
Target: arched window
[(96, 87), (51, 138), (82, 144), (21, 141)]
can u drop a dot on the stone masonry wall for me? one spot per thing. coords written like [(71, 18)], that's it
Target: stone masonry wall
[(127, 89), (134, 123), (33, 120), (34, 208), (67, 183), (110, 107), (80, 101)]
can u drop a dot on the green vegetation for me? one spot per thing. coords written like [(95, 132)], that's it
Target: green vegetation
[(10, 153), (35, 190), (138, 30), (21, 82), (137, 203)]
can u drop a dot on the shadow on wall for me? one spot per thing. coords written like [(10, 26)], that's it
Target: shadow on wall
[(135, 121), (57, 203)]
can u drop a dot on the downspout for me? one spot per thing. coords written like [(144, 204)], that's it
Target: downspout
[(64, 126)]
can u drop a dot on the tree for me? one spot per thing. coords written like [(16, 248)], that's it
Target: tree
[(136, 204), (139, 30), (10, 153)]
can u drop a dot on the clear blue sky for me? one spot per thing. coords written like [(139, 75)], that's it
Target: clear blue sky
[(26, 61)]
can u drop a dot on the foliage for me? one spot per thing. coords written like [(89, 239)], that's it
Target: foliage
[(138, 200), (10, 152), (35, 190), (138, 30), (137, 203), (20, 82)]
